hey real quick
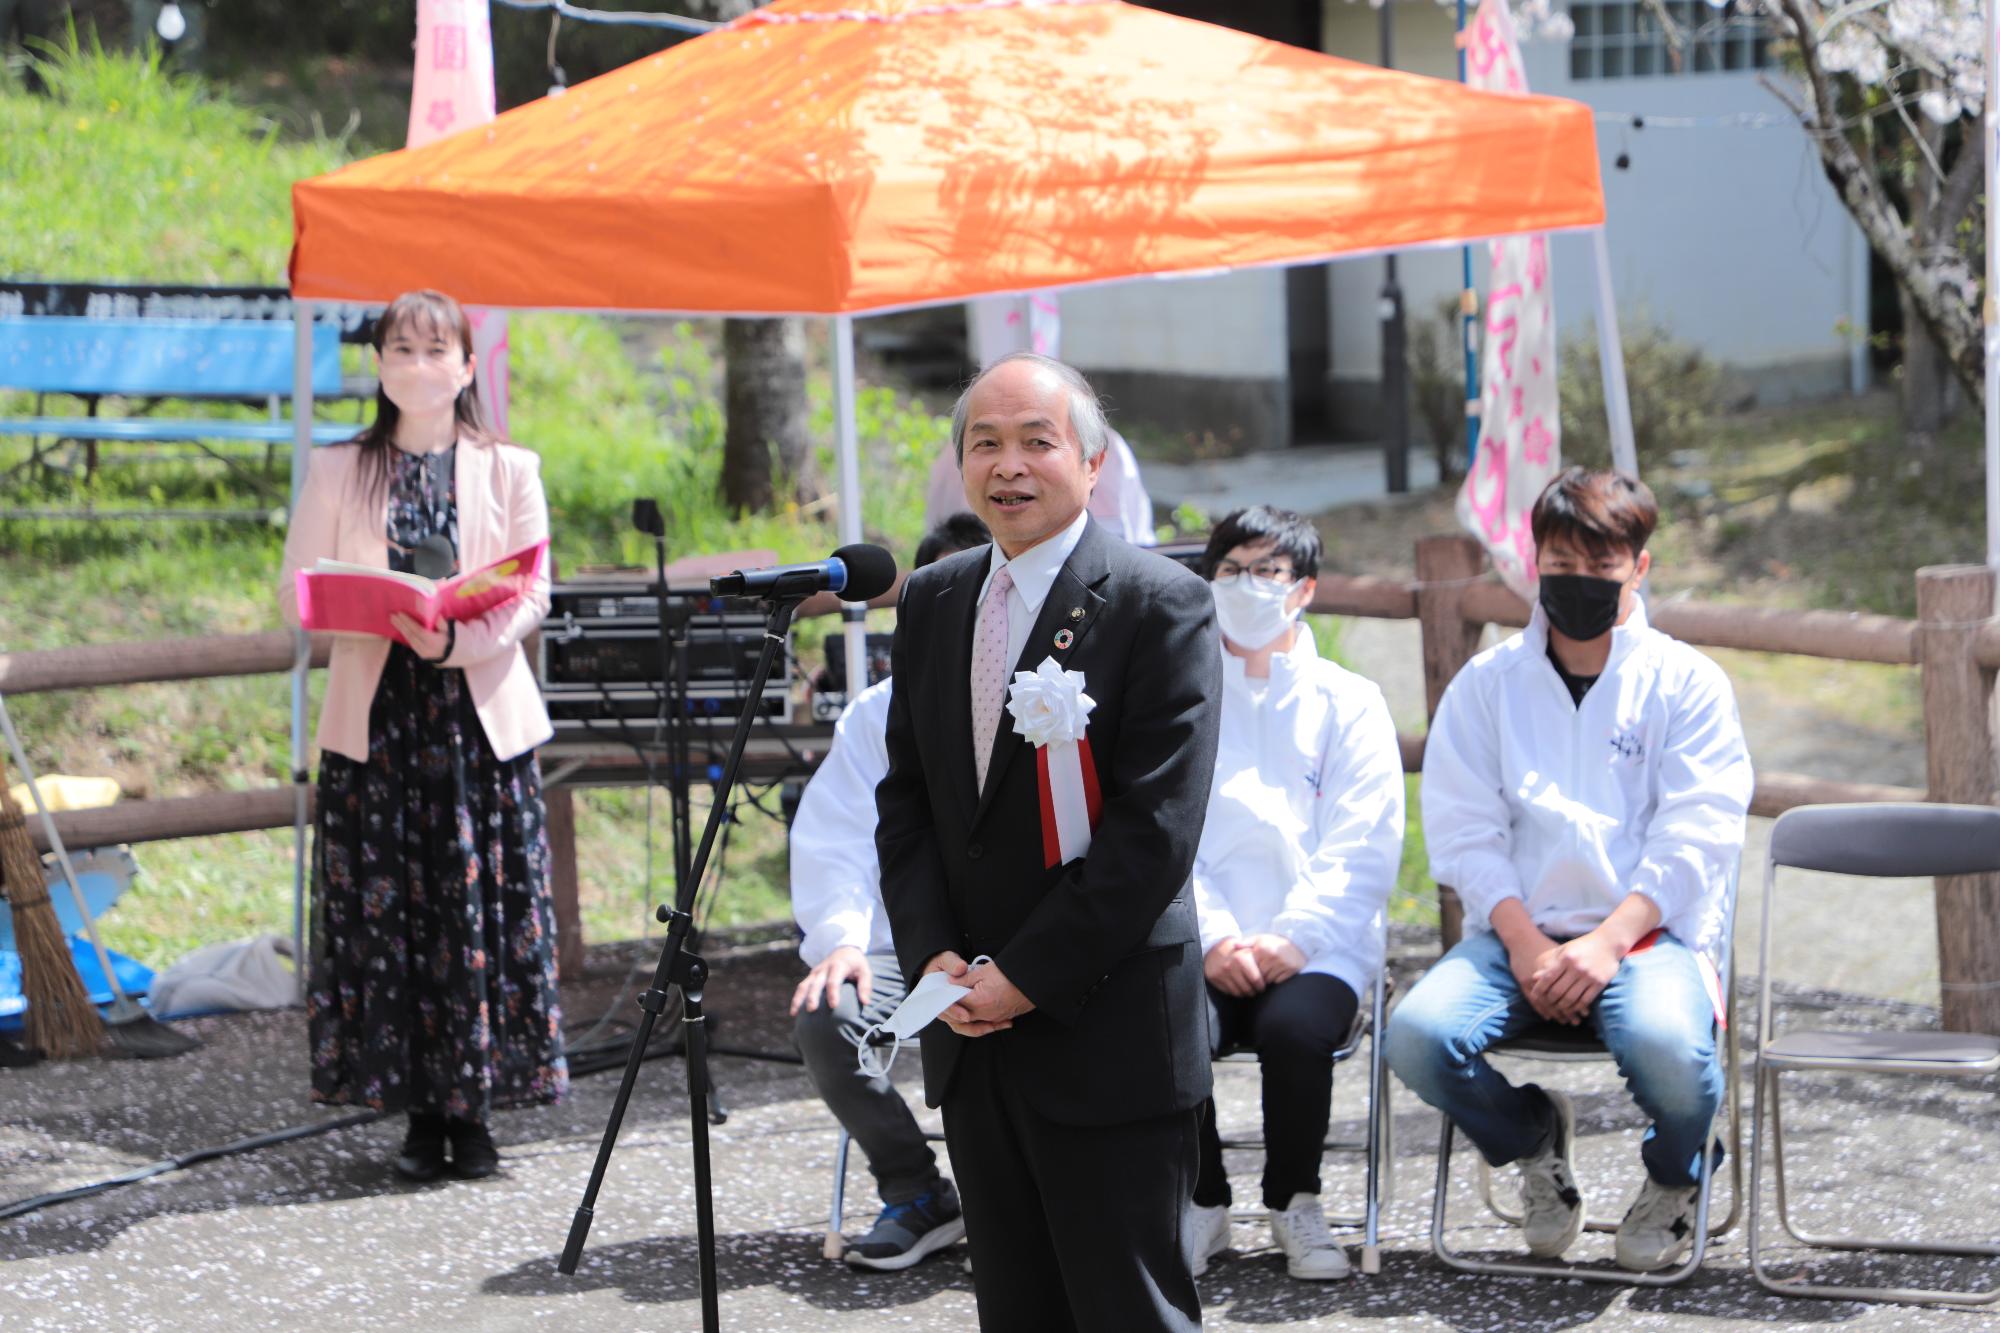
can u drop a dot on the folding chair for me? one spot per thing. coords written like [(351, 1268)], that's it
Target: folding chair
[(1873, 840), (1377, 1143), (1560, 1043), (836, 1241)]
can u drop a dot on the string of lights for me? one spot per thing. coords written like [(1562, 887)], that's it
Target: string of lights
[(562, 9)]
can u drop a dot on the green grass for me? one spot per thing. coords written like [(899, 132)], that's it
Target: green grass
[(617, 409), (124, 172)]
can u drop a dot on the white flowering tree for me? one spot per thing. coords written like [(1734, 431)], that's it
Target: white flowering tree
[(1892, 94)]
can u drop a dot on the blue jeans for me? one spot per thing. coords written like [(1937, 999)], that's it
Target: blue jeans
[(1655, 1018)]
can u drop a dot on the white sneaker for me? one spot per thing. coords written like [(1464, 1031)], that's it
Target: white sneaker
[(1658, 1230), (1551, 1202), (1300, 1231), (1211, 1234)]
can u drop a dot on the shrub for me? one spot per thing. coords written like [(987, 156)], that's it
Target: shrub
[(1674, 390)]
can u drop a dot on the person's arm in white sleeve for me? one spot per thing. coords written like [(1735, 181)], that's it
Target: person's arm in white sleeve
[(1211, 910), (1702, 782), (1468, 827), (1353, 866), (836, 879)]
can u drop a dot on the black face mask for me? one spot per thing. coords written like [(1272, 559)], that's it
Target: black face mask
[(1580, 606)]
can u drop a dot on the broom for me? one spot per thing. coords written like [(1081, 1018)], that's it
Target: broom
[(61, 1020), (133, 1032)]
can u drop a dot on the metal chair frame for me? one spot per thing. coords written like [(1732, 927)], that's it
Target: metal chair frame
[(1368, 1025), (1377, 1144), (1559, 1045), (1813, 826)]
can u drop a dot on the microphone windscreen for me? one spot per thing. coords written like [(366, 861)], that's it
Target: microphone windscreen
[(871, 571)]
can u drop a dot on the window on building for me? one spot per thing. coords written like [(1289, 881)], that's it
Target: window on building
[(1623, 39)]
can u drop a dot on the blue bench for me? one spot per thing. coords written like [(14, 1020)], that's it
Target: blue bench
[(161, 358)]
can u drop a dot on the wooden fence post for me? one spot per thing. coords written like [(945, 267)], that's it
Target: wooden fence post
[(1445, 565), (563, 884), (1953, 601)]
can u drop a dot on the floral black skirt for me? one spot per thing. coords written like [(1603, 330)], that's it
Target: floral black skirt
[(433, 982)]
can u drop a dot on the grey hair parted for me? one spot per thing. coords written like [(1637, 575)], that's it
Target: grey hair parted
[(1086, 413)]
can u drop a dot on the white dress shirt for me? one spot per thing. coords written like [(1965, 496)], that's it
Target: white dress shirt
[(1034, 572)]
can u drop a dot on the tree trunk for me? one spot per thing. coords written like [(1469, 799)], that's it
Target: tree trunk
[(1928, 396), (1938, 303), (765, 446)]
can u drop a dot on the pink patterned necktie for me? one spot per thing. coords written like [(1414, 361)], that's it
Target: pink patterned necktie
[(989, 671)]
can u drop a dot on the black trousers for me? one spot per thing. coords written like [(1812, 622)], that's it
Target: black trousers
[(1072, 1227), (1295, 1027)]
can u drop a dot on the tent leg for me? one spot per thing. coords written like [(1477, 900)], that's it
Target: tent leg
[(1611, 359), (302, 419), (848, 447)]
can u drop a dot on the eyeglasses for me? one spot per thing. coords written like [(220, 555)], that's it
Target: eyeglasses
[(1269, 571)]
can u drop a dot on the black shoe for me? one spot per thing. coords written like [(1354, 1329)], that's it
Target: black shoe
[(423, 1148), (473, 1156)]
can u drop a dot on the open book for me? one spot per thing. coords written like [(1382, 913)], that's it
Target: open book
[(359, 599)]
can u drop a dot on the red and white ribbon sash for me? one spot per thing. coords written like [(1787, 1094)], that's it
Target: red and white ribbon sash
[(1071, 803)]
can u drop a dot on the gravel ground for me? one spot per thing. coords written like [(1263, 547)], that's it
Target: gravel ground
[(319, 1233)]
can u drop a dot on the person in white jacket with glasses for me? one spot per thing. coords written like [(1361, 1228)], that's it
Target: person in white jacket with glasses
[(1301, 848), (1585, 790)]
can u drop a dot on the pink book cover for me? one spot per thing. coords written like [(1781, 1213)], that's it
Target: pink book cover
[(357, 599)]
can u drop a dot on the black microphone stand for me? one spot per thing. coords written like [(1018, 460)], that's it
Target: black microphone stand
[(677, 967), (646, 517)]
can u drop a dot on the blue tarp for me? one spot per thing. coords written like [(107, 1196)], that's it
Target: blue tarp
[(133, 975)]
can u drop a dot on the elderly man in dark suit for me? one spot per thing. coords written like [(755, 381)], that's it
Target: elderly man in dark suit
[(1071, 1075)]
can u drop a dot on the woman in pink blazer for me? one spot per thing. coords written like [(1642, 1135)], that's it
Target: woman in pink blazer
[(432, 987)]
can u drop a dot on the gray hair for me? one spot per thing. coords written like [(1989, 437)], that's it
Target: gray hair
[(1086, 413)]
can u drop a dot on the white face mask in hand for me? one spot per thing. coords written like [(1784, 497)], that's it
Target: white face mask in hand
[(934, 994), (1252, 611)]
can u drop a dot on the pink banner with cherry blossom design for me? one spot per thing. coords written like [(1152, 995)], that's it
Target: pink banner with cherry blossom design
[(453, 91), (1519, 431)]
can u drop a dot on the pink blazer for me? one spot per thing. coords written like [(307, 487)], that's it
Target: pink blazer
[(501, 509)]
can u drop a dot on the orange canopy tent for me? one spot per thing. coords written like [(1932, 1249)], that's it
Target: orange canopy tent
[(837, 157), (834, 157)]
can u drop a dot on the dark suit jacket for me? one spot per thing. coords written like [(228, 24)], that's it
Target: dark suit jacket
[(1105, 946)]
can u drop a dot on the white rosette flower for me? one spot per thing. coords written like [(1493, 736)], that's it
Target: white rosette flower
[(1049, 704), (1051, 712)]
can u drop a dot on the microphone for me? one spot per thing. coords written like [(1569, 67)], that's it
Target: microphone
[(856, 572)]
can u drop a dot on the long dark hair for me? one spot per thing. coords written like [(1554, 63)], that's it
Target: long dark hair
[(428, 310)]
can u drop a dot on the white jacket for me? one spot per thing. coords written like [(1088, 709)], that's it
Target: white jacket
[(836, 880), (1305, 819), (1642, 788)]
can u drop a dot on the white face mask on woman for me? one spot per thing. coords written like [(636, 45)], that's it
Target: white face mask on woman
[(1252, 611)]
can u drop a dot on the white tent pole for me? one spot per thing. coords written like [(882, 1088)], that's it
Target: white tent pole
[(1991, 318), (848, 446), (1611, 360), (302, 419)]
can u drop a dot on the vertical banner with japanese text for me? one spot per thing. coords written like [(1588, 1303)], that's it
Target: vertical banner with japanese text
[(453, 91), (1519, 432)]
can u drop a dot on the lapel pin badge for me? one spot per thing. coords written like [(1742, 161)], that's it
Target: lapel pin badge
[(1076, 613), (1064, 638)]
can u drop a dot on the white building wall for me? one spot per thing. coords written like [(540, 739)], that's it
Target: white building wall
[(1231, 325), (1729, 238)]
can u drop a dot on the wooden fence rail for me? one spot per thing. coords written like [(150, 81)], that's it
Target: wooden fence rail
[(1955, 641)]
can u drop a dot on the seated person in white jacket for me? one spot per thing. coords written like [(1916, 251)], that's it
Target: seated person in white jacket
[(855, 980), (1585, 786), (1303, 840)]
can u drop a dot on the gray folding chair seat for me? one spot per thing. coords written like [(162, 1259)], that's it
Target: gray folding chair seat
[(1377, 1145), (1564, 1044), (1873, 840)]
